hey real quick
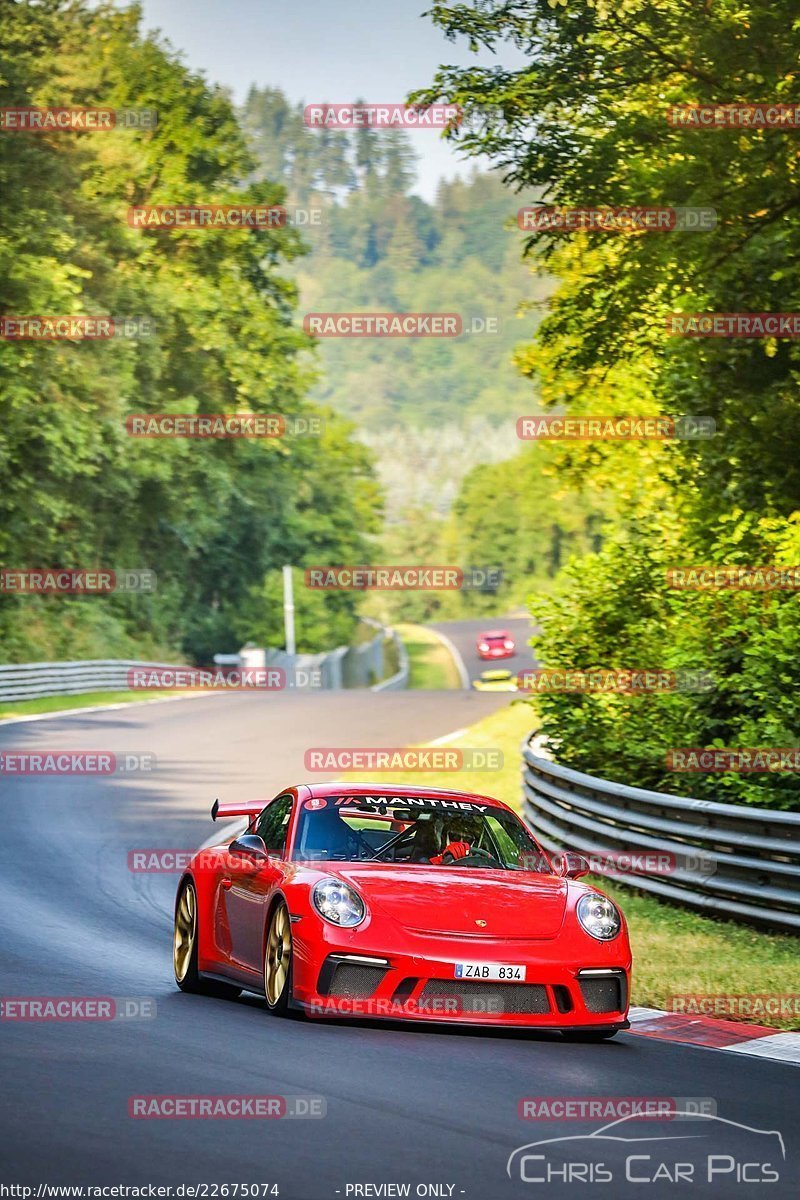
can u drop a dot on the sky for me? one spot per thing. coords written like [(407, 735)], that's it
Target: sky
[(324, 50)]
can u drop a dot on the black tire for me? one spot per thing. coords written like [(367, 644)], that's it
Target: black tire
[(278, 961), (184, 959)]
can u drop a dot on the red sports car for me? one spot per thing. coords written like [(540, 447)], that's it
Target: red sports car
[(496, 644), (377, 901)]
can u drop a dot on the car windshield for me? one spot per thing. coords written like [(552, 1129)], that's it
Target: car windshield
[(415, 830)]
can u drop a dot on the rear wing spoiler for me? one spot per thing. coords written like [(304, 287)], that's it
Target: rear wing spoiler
[(237, 808)]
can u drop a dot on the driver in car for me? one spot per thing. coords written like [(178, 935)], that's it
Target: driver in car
[(458, 836)]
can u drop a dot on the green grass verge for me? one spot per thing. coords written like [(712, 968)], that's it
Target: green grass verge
[(431, 664), (46, 704), (675, 950), (504, 730)]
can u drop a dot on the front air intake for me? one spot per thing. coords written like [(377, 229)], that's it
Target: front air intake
[(449, 997), (343, 979), (603, 993)]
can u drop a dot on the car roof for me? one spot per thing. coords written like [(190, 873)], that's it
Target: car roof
[(495, 633), (345, 788)]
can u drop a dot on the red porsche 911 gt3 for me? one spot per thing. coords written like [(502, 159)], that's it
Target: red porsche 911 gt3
[(497, 643), (416, 903)]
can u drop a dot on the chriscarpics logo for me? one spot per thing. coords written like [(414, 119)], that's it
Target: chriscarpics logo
[(725, 1158)]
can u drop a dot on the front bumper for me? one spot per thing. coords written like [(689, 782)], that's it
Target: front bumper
[(586, 993)]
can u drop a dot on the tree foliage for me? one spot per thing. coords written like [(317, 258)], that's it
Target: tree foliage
[(380, 247), (584, 122), (212, 518)]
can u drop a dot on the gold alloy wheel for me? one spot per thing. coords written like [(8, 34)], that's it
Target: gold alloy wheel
[(278, 956), (185, 932)]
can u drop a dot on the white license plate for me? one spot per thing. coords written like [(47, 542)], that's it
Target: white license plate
[(492, 971)]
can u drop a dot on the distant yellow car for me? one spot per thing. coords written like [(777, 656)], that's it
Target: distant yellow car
[(495, 681)]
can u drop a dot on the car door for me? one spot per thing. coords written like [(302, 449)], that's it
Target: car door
[(248, 886)]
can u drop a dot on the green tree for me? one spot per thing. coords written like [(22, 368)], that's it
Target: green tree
[(584, 122), (211, 518)]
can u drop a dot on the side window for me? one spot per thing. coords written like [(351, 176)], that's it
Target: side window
[(274, 822), (505, 843)]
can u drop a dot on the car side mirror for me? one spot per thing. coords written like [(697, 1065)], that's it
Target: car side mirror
[(251, 846), (572, 865)]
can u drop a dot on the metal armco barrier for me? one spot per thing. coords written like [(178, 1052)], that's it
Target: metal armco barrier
[(729, 859), (349, 666), (399, 680), (28, 681)]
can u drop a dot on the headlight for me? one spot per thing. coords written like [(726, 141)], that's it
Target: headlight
[(338, 903), (599, 917)]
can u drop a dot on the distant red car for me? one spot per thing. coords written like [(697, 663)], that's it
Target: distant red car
[(370, 900), (496, 644)]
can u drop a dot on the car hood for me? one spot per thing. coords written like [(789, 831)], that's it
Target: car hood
[(449, 900)]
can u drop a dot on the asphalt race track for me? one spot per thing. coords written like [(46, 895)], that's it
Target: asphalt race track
[(464, 636), (405, 1105)]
